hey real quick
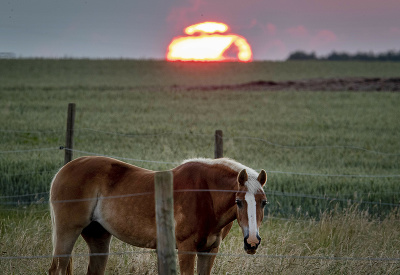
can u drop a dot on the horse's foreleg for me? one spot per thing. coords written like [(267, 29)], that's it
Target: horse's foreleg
[(186, 263), (186, 256), (205, 262), (98, 239)]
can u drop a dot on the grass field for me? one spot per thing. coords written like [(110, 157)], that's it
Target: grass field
[(288, 247), (308, 142), (126, 74)]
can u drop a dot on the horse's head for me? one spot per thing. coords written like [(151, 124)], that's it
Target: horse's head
[(250, 201)]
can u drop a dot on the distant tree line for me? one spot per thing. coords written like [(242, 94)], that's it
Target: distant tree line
[(7, 55), (342, 56)]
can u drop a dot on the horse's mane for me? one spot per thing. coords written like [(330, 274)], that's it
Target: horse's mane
[(252, 184)]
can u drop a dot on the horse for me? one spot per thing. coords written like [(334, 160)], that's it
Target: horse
[(99, 197)]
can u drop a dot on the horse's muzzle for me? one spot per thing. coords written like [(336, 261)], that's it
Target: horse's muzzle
[(251, 247)]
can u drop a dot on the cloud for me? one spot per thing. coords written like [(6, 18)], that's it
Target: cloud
[(279, 42), (267, 28), (304, 38), (181, 16), (323, 38), (270, 29), (253, 23), (298, 31), (394, 31), (275, 49)]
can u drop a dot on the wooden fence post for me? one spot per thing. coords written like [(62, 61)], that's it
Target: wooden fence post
[(218, 148), (69, 139), (164, 199)]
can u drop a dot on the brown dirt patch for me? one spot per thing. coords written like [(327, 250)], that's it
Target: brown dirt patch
[(336, 84)]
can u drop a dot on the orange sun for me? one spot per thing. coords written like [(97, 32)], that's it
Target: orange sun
[(207, 42)]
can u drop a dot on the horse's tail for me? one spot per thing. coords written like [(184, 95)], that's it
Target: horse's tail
[(69, 267), (69, 270), (52, 214)]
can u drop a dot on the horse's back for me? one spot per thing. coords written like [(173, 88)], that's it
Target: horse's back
[(86, 175), (82, 181)]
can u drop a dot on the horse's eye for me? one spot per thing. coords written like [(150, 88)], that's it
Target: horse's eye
[(264, 203), (239, 203)]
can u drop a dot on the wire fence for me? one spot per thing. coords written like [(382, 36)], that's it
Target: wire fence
[(177, 163), (42, 198), (140, 135), (46, 194), (272, 256), (37, 198)]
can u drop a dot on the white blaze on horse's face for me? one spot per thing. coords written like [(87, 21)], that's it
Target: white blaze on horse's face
[(250, 202)]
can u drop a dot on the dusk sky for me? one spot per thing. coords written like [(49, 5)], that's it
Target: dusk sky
[(133, 29)]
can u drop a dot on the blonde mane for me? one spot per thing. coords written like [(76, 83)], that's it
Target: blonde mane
[(252, 184)]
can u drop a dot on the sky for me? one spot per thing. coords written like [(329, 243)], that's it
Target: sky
[(144, 29)]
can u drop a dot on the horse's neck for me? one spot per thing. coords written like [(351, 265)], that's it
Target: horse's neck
[(223, 193), (222, 186)]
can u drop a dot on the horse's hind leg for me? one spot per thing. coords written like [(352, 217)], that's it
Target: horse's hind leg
[(98, 240), (63, 245)]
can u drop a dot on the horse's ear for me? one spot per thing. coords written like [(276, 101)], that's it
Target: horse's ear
[(262, 177), (242, 177)]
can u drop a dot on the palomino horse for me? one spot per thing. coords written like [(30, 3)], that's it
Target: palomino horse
[(98, 197)]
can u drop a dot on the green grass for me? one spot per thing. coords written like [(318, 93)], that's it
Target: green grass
[(135, 98), (183, 124), (288, 247), (136, 73), (130, 109)]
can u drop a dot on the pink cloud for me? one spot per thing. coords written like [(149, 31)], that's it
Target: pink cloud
[(298, 31), (394, 31), (276, 49), (182, 15), (253, 23), (314, 40), (270, 29), (323, 38)]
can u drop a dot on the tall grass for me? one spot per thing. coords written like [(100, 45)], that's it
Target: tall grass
[(288, 247)]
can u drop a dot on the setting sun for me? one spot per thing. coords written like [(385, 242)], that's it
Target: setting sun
[(207, 41)]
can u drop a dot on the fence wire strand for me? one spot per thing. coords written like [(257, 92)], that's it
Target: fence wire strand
[(352, 147), (177, 163), (29, 150), (272, 172), (272, 256), (316, 146), (273, 193)]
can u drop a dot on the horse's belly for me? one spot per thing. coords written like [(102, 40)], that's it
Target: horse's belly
[(132, 237), (128, 225)]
